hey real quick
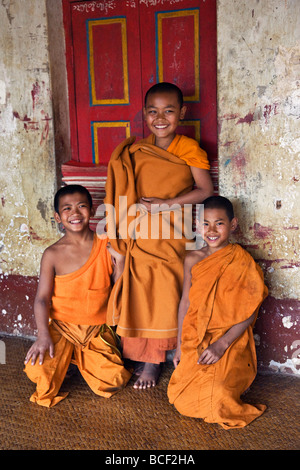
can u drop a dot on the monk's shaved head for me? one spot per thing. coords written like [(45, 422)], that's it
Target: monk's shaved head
[(219, 202)]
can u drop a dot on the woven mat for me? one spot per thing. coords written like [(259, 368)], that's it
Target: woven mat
[(135, 419)]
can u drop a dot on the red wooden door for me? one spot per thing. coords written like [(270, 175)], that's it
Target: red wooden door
[(116, 49), (105, 76)]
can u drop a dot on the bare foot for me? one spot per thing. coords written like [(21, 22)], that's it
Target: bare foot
[(139, 367), (149, 376)]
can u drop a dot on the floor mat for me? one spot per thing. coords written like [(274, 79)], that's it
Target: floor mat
[(135, 419)]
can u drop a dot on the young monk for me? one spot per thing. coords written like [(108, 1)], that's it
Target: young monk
[(215, 360), (73, 291), (163, 170)]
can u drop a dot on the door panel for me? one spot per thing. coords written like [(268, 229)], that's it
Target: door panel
[(107, 78), (108, 65), (184, 52), (175, 53)]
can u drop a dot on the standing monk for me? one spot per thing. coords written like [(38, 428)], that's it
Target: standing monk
[(164, 170)]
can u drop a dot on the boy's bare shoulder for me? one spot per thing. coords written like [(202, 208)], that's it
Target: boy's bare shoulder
[(194, 256), (54, 249)]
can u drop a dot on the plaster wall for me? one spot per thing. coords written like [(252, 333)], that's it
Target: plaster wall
[(258, 115), (27, 161)]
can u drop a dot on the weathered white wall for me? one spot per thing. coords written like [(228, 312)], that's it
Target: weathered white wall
[(27, 178), (259, 140), (259, 143)]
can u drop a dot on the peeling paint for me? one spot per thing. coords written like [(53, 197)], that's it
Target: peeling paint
[(286, 321), (289, 366), (260, 231), (36, 89), (256, 339), (248, 119), (2, 92)]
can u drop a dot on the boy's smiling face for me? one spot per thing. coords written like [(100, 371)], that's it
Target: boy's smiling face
[(74, 212), (217, 228), (162, 114)]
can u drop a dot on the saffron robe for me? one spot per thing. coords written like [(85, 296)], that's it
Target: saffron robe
[(144, 302), (81, 296), (227, 288)]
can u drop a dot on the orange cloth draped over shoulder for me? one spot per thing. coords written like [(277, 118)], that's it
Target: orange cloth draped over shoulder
[(144, 302), (79, 333), (82, 297), (227, 288)]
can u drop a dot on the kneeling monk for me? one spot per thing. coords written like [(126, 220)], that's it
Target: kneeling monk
[(73, 291), (223, 290)]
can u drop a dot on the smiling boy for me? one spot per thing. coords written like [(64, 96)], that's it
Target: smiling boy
[(73, 293), (215, 360), (163, 110), (164, 169)]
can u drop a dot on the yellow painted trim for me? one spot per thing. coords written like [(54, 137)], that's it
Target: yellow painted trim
[(107, 124), (172, 14), (122, 22), (196, 125)]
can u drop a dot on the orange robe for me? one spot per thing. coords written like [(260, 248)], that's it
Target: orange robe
[(79, 333), (144, 303), (227, 288)]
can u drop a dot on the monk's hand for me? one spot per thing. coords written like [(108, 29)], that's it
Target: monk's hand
[(39, 349), (152, 204), (116, 256), (212, 354), (177, 356)]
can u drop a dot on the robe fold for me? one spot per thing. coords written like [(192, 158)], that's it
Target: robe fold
[(144, 302), (227, 288), (79, 333), (81, 297)]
